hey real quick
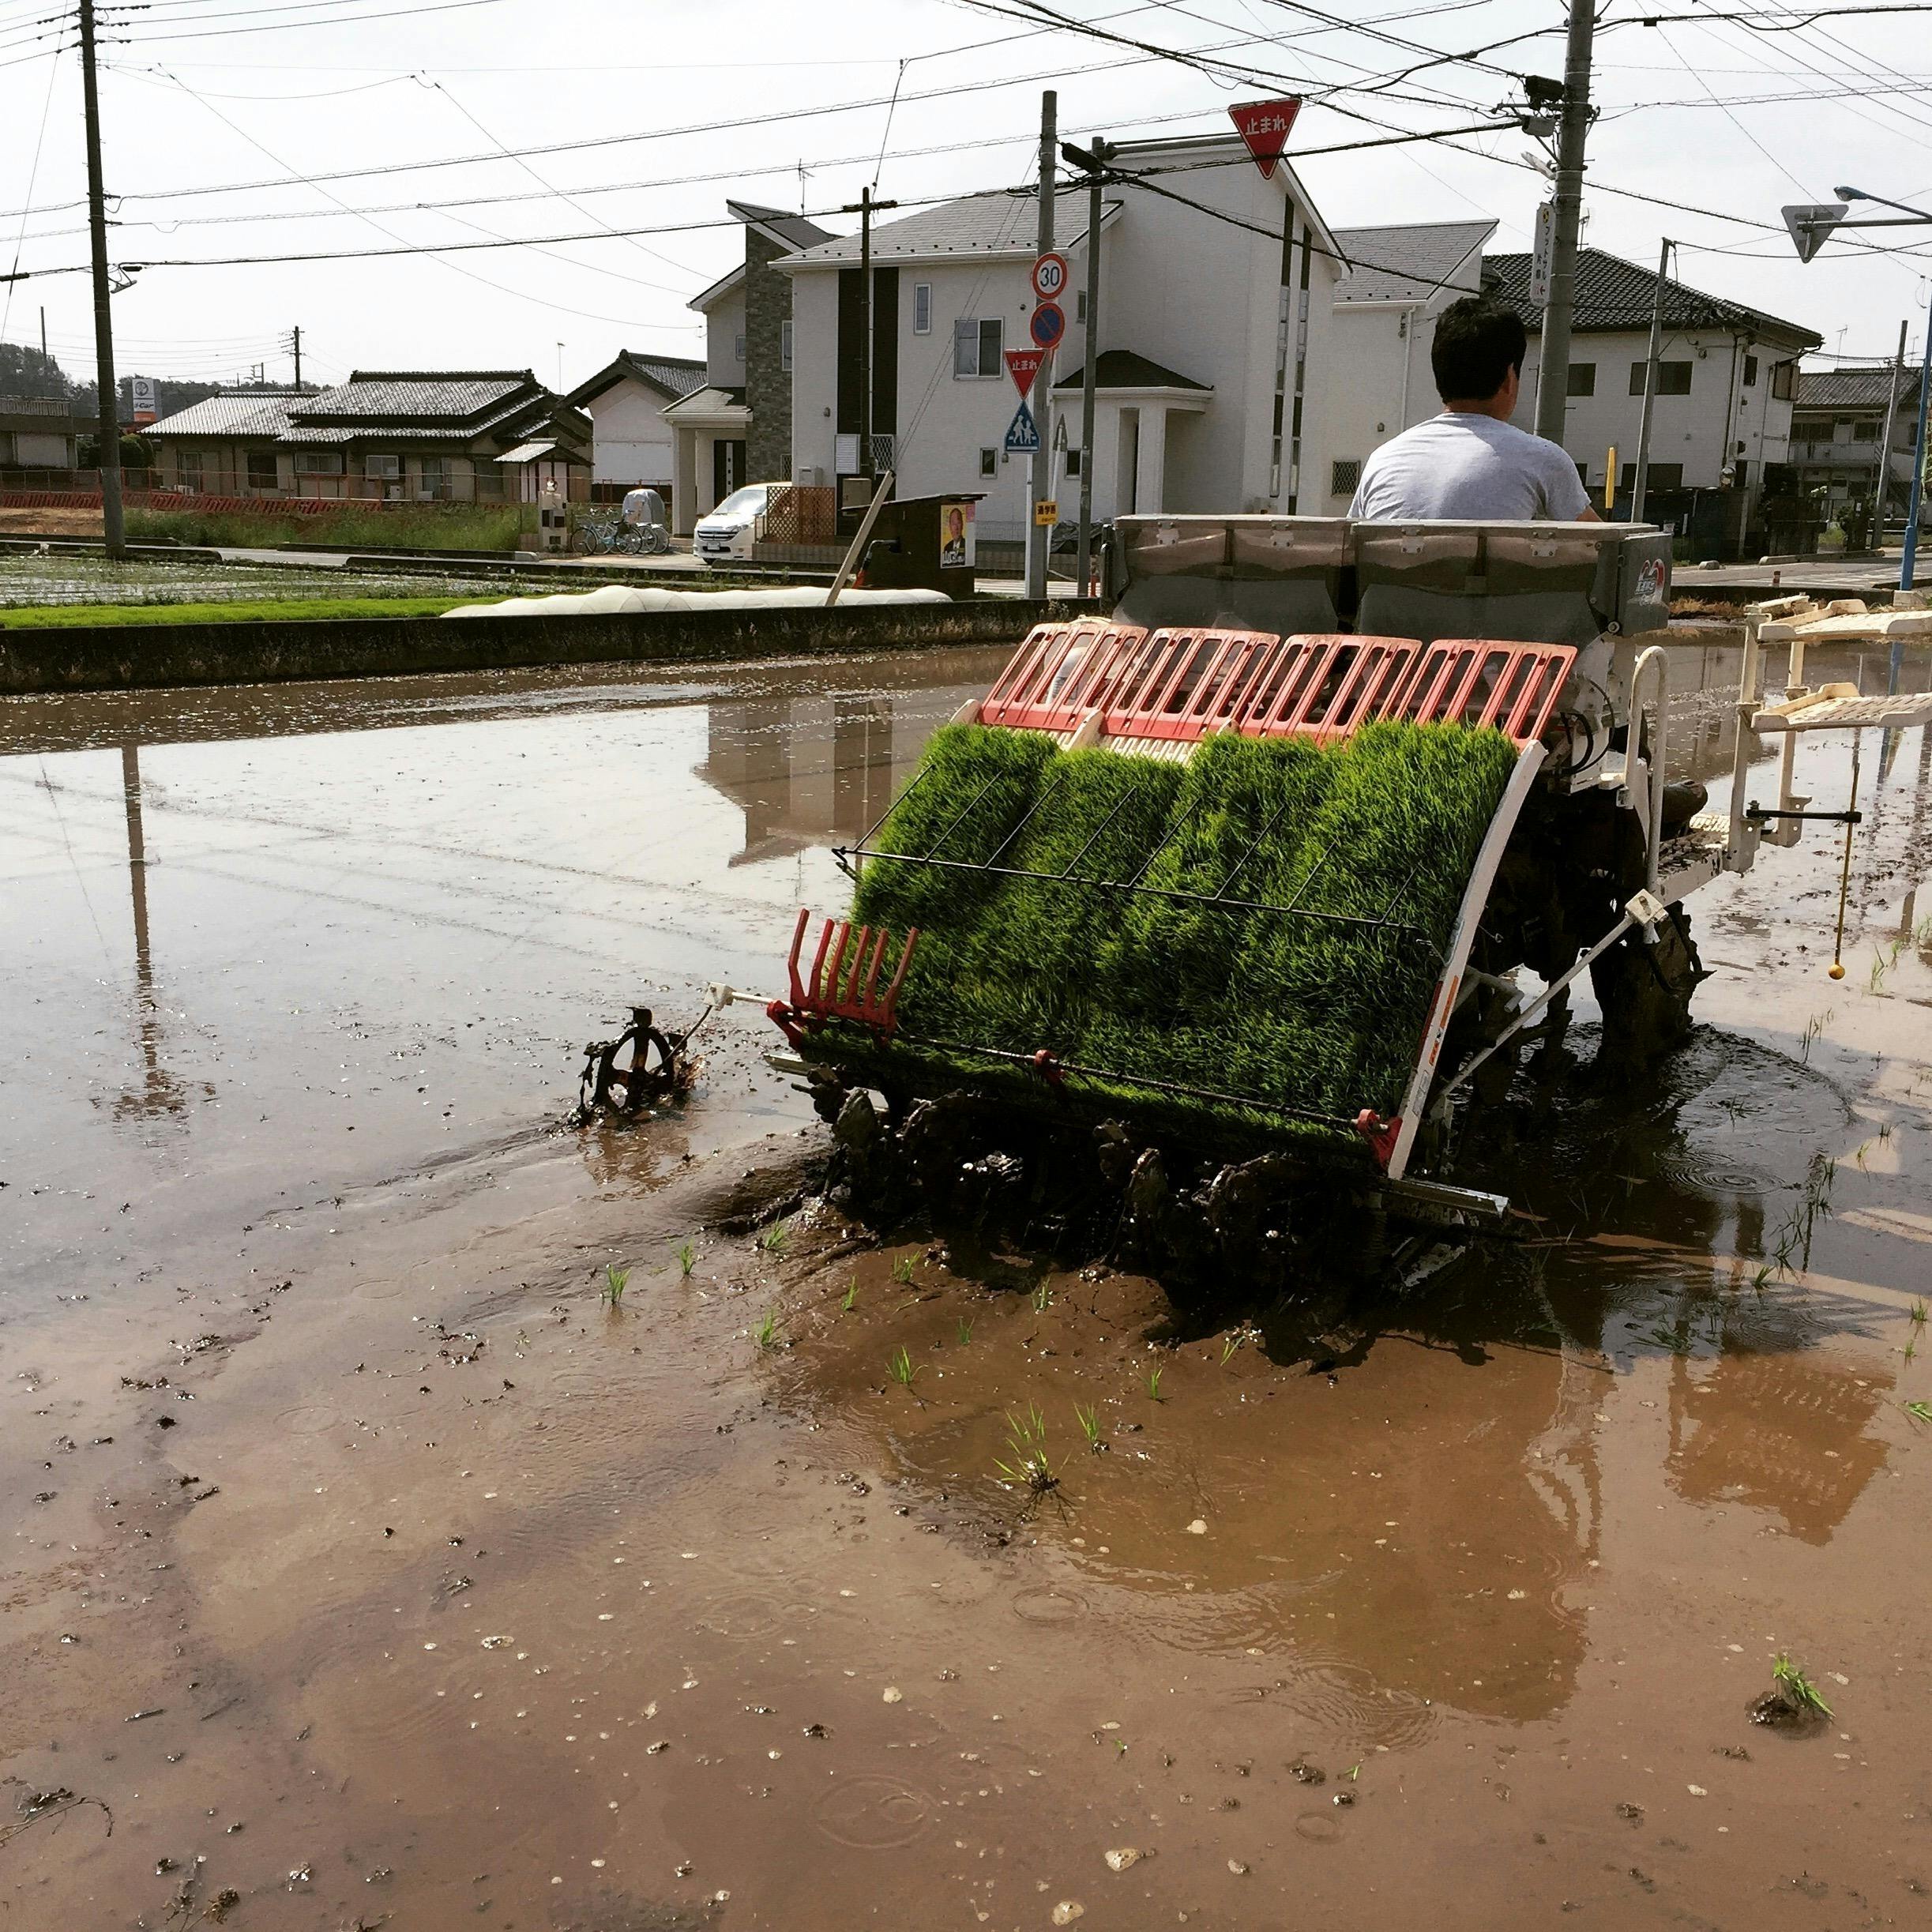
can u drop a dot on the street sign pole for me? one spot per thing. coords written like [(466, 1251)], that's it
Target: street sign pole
[(1094, 159), (1039, 548), (1885, 442), (1641, 479), (1918, 483)]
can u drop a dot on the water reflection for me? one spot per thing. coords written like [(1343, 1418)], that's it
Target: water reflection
[(160, 1095)]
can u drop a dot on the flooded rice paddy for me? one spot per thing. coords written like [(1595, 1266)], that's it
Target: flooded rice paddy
[(366, 1565)]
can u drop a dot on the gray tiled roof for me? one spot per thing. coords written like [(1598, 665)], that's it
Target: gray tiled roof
[(793, 228), (679, 373), (447, 397), (1409, 262), (1615, 295), (1124, 369), (236, 413), (982, 224), (1856, 389)]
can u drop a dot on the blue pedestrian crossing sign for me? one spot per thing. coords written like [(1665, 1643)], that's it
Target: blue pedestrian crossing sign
[(1022, 433)]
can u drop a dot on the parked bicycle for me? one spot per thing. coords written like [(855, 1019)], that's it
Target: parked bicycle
[(637, 529)]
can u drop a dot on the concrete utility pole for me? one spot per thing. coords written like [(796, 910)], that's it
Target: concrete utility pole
[(113, 525), (296, 343), (1095, 160), (1640, 481), (1552, 357), (865, 208), (1039, 543), (1917, 500), (1885, 446)]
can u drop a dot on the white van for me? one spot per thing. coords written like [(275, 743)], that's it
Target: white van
[(727, 532)]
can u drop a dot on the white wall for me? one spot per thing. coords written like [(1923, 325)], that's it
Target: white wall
[(724, 335), (1700, 430), (630, 439)]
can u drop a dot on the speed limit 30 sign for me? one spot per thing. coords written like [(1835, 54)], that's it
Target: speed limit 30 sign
[(1049, 276)]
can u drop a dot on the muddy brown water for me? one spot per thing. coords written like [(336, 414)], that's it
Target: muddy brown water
[(361, 1563)]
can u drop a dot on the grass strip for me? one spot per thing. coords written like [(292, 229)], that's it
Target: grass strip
[(77, 616), (1104, 953)]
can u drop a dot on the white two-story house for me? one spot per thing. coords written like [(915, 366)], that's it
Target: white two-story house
[(1217, 381)]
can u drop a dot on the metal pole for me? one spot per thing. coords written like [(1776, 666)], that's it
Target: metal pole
[(1039, 543), (1919, 472), (1641, 479), (865, 330), (1088, 376), (297, 355), (113, 527), (1885, 445), (1553, 358)]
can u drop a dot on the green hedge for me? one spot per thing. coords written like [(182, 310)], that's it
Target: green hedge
[(421, 526), (1292, 1012)]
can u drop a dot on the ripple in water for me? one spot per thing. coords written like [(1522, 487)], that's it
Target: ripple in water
[(873, 1813)]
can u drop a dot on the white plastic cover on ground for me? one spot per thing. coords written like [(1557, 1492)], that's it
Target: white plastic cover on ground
[(623, 599)]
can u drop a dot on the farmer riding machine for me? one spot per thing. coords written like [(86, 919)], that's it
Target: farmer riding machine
[(1205, 933)]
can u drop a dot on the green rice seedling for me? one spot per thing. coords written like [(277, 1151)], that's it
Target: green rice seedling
[(1761, 1279), (1919, 1412), (902, 1270), (1153, 1383), (902, 1369), (1814, 1029), (615, 1280), (1797, 1689), (1026, 1462), (765, 1334), (775, 1239), (1230, 1344), (1911, 1347), (965, 1329), (1042, 1296), (687, 1257), (851, 1295), (1090, 1426), (1917, 1313), (1310, 1011)]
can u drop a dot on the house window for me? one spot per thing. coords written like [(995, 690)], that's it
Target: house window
[(989, 462), (433, 477), (1079, 306), (1782, 379), (1750, 372), (1666, 476), (1582, 379), (1344, 475), (738, 348), (976, 347), (1673, 378), (261, 473), (318, 463), (383, 469), (784, 346), (191, 470), (922, 308), (1073, 463), (1865, 432)]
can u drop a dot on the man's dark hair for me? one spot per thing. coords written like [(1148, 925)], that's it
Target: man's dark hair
[(1478, 342)]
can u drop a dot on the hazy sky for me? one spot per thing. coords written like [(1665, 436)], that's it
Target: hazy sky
[(739, 93)]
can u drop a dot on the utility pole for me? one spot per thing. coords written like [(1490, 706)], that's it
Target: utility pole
[(113, 527), (865, 208), (296, 344), (1918, 491), (1095, 160), (1552, 357), (1039, 543), (1641, 479), (44, 332), (1885, 446)]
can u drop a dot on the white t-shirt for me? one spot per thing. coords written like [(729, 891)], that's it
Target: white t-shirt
[(1469, 466)]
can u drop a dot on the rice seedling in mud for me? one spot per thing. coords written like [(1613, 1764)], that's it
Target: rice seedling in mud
[(1917, 1313), (1814, 1031), (1318, 1009), (1792, 1697), (902, 1270), (615, 1280), (965, 1329), (1919, 1412), (1230, 1346), (1153, 1383), (687, 1257), (902, 1368), (774, 1239), (765, 1334), (851, 1295), (1026, 1461), (1090, 1427), (1042, 1296)]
